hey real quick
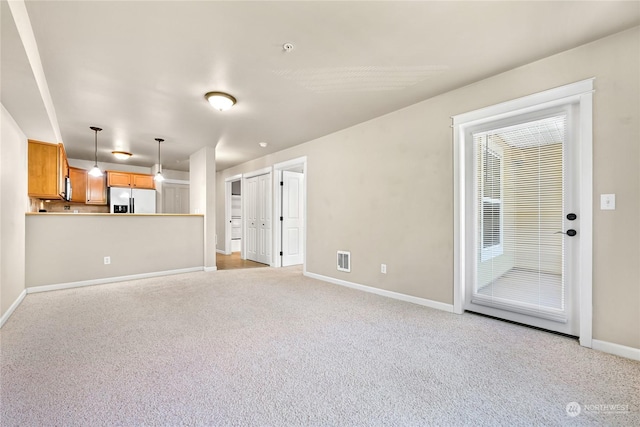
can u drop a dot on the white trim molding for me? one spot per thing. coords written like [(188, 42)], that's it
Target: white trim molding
[(220, 251), (257, 172), (209, 269), (383, 292), (617, 349), (13, 307), (83, 283)]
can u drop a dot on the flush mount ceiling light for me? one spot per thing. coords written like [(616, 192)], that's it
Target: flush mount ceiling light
[(95, 170), (263, 144), (159, 177), (220, 101), (121, 155)]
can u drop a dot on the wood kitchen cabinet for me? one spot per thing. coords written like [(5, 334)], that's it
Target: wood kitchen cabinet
[(78, 179), (96, 190), (48, 169), (130, 180), (143, 181), (118, 179)]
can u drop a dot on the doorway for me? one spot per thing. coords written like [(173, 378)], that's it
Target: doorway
[(523, 211), (233, 216), (290, 208), (522, 190)]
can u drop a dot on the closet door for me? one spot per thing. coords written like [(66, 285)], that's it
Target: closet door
[(251, 211), (263, 201)]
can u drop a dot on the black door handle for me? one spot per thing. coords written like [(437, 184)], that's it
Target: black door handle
[(571, 216), (570, 232)]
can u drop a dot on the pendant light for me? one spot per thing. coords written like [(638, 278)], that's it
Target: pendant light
[(159, 177), (95, 170)]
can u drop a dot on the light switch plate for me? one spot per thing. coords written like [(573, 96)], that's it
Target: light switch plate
[(607, 202)]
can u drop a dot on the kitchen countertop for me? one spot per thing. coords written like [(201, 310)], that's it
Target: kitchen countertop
[(106, 214)]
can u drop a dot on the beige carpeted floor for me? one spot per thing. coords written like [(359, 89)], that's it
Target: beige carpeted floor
[(268, 347)]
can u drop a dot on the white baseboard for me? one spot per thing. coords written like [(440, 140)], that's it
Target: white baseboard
[(13, 307), (617, 349), (390, 294), (82, 283), (220, 251), (207, 269)]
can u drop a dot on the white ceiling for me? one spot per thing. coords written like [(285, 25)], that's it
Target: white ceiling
[(140, 69)]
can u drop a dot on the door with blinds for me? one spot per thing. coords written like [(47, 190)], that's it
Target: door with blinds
[(524, 226)]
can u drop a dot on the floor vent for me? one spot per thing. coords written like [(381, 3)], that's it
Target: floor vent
[(344, 261)]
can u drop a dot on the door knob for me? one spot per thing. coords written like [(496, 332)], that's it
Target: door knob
[(571, 216), (570, 232)]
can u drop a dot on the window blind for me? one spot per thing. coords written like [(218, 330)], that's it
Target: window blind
[(519, 210)]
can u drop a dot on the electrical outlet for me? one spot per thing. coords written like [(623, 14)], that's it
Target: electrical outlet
[(383, 268), (107, 260)]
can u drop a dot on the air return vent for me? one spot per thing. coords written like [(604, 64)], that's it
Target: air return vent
[(344, 261)]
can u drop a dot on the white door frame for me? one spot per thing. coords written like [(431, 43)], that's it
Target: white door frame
[(227, 214), (277, 232), (579, 92), (263, 171)]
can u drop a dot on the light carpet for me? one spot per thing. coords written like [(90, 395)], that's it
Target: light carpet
[(269, 347)]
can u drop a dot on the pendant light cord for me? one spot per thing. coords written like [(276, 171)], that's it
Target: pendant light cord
[(159, 162), (96, 130)]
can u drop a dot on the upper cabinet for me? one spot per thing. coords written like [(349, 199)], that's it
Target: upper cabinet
[(78, 179), (48, 169), (143, 181), (96, 190), (130, 180), (118, 179)]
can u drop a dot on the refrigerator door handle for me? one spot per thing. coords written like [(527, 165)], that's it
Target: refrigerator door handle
[(132, 205)]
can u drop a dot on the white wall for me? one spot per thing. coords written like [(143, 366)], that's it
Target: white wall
[(384, 189), (67, 248), (202, 198), (13, 205)]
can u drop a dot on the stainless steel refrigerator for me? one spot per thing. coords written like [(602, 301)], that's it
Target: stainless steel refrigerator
[(132, 200)]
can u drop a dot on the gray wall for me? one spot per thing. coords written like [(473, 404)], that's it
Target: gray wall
[(13, 205), (384, 189), (66, 248)]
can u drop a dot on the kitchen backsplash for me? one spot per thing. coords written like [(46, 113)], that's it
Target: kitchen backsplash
[(64, 207)]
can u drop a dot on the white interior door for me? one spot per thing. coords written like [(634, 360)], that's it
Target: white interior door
[(249, 191), (523, 200), (292, 218), (175, 198), (263, 225)]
